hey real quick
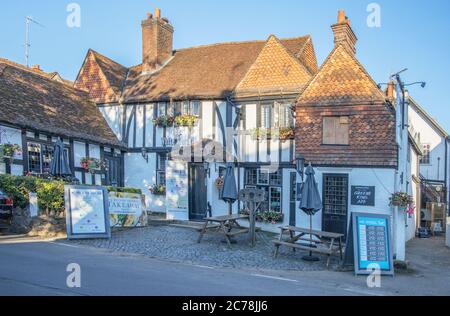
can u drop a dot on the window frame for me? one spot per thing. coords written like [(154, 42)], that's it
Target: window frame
[(268, 188), (325, 141), (48, 146), (161, 173), (425, 159)]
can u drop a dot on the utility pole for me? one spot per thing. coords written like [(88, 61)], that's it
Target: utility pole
[(29, 20)]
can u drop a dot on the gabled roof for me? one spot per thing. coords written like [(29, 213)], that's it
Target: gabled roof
[(51, 75), (203, 72), (341, 80), (428, 117), (276, 68), (102, 77), (33, 101)]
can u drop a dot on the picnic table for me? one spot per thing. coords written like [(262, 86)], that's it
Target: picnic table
[(227, 225), (332, 242)]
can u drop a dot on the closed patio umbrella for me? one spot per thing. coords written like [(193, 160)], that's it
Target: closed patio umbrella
[(229, 189), (60, 163), (311, 203)]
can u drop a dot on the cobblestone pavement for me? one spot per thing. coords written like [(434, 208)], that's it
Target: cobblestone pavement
[(180, 245)]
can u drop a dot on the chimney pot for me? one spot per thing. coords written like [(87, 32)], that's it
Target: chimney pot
[(390, 90), (158, 13), (341, 17), (149, 15), (36, 67)]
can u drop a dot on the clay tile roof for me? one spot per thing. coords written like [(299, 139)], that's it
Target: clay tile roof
[(210, 71), (341, 80), (32, 100), (101, 77), (277, 69)]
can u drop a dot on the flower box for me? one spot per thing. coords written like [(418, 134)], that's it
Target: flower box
[(7, 151), (92, 164), (158, 190)]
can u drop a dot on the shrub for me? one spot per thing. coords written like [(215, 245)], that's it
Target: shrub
[(50, 193)]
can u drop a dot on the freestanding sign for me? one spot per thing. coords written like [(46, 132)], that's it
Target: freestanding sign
[(87, 214), (363, 196), (372, 243), (126, 210), (177, 190)]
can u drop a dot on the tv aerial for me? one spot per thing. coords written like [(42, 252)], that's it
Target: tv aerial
[(28, 21)]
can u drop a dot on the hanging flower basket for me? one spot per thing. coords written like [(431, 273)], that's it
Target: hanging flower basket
[(219, 183), (287, 134), (158, 190), (92, 164), (401, 199), (164, 121), (282, 134), (7, 151), (186, 120)]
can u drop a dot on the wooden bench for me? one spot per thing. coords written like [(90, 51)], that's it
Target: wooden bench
[(321, 238), (225, 225)]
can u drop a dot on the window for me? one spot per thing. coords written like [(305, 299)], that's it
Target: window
[(40, 157), (336, 130), (425, 159), (251, 177), (161, 164), (266, 116), (195, 108), (161, 109), (284, 117), (271, 183)]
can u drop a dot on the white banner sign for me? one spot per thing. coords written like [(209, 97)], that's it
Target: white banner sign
[(127, 210), (177, 190), (87, 212)]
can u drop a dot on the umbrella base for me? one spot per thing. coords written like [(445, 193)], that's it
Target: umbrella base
[(311, 258)]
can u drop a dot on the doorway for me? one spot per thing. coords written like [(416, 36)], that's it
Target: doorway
[(335, 203), (114, 173), (198, 202)]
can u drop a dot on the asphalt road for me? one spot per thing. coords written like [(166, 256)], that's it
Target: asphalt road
[(39, 268), (29, 267)]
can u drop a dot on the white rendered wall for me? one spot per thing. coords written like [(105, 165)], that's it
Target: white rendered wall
[(428, 135)]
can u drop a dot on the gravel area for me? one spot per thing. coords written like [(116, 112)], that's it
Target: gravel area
[(180, 245)]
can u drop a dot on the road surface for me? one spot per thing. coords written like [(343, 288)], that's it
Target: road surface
[(29, 267)]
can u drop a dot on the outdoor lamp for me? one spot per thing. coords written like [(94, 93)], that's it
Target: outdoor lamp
[(207, 169), (145, 154), (300, 164)]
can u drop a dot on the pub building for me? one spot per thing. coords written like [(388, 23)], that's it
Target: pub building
[(334, 117)]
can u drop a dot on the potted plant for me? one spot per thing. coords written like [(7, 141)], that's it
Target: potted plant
[(401, 199), (92, 164), (186, 120), (164, 121), (7, 151), (219, 183), (287, 133), (158, 190)]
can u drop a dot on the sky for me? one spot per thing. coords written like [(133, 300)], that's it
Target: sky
[(412, 34)]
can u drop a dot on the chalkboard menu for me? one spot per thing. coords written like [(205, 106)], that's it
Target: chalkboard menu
[(363, 196), (372, 243)]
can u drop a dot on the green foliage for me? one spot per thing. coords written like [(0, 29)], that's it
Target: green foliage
[(9, 150), (125, 190), (51, 196), (50, 193)]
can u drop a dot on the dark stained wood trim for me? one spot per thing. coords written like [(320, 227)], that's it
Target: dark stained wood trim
[(144, 136)]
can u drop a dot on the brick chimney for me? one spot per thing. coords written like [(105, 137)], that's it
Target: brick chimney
[(343, 33), (36, 68), (157, 41)]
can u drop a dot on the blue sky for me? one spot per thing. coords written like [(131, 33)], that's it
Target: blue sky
[(413, 34)]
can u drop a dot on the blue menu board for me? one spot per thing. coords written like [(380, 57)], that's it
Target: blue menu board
[(372, 236)]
